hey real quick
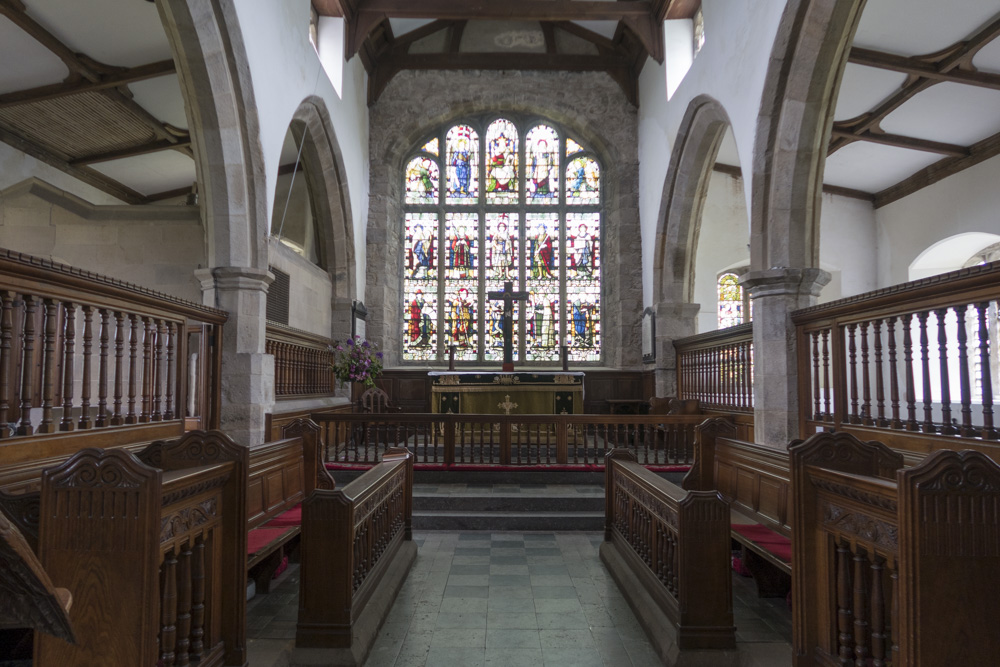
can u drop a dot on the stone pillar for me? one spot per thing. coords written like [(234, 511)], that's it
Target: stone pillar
[(775, 293), (673, 322), (247, 372)]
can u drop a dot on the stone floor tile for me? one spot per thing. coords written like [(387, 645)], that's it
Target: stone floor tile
[(558, 606), (466, 592), (458, 638), (512, 638), (553, 592), (519, 605), (555, 656), (453, 657), (513, 657)]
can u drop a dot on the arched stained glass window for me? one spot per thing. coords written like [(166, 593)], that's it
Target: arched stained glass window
[(730, 301), (532, 222)]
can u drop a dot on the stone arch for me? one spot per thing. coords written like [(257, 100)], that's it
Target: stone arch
[(704, 124), (587, 104), (806, 67), (214, 75), (322, 155)]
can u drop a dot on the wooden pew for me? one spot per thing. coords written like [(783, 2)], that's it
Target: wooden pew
[(668, 550), (894, 565), (757, 482), (282, 474), (356, 551), (154, 575)]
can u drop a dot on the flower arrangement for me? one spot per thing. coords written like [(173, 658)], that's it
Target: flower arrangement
[(356, 361)]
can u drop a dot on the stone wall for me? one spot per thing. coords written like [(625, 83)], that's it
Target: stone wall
[(589, 105)]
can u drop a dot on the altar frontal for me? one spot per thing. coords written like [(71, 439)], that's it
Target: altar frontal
[(483, 392)]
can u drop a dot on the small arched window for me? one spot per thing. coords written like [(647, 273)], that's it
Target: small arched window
[(486, 202), (731, 301)]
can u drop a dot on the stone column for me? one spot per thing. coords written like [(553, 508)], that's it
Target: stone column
[(775, 293), (673, 322), (247, 372)]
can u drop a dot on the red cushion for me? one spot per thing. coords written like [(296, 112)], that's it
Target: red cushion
[(258, 538), (767, 539), (292, 517)]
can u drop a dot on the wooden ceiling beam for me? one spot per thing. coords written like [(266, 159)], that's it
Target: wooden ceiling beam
[(601, 41), (14, 11), (916, 67), (455, 42), (940, 170), (838, 190), (510, 10), (57, 90), (509, 61), (85, 174), (898, 141), (169, 194), (132, 151)]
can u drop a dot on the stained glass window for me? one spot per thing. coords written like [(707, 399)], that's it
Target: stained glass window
[(730, 301), (525, 213)]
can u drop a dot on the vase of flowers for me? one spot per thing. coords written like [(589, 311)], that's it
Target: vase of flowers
[(356, 360)]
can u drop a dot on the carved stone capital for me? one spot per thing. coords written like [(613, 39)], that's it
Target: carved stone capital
[(780, 280)]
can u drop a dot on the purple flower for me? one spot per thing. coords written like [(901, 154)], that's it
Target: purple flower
[(378, 354), (365, 344), (350, 342)]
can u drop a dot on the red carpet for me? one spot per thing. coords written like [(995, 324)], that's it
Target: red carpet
[(476, 467), (777, 544), (258, 538)]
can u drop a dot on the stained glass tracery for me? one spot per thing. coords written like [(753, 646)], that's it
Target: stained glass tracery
[(526, 212)]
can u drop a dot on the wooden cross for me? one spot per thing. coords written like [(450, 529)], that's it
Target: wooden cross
[(508, 295), (507, 405)]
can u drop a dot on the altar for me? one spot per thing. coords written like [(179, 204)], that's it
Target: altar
[(514, 393)]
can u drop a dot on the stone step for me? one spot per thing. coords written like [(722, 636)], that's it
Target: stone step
[(512, 521)]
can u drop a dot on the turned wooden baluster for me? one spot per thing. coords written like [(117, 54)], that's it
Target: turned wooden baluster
[(845, 640), (168, 611), (116, 417), (47, 425), (27, 364), (69, 351), (878, 614), (947, 428), (88, 353), (102, 370), (894, 614), (861, 602), (133, 368), (184, 606), (890, 330), (928, 425), (852, 368), (161, 371), (984, 371), (817, 413), (6, 334), (198, 599), (879, 382), (866, 389), (827, 387), (148, 370), (965, 389), (171, 371), (911, 390)]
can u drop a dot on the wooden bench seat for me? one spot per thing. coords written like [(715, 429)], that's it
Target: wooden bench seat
[(757, 482)]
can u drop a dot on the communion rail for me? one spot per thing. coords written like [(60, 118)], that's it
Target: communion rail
[(568, 440), (882, 557), (302, 362), (919, 357), (716, 368)]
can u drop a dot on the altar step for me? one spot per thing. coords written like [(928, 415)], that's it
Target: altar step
[(508, 507)]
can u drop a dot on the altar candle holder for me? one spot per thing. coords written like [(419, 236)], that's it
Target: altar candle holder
[(565, 357), (451, 357)]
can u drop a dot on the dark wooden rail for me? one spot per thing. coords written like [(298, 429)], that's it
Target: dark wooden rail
[(894, 566), (716, 368), (302, 362), (448, 439), (914, 358), (152, 572), (84, 353), (675, 545), (352, 545)]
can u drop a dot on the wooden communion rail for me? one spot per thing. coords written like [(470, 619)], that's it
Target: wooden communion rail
[(302, 362), (716, 368), (505, 440)]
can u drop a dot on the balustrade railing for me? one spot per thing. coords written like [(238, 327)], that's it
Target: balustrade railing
[(84, 352), (349, 539), (302, 362), (918, 357), (677, 544), (716, 368), (449, 439)]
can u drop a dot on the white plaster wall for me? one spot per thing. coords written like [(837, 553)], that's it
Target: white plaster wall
[(722, 243), (848, 247), (731, 68), (286, 69), (966, 202)]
